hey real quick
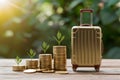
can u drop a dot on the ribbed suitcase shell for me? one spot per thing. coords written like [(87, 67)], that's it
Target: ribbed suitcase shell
[(86, 46)]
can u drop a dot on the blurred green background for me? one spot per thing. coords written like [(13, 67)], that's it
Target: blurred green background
[(24, 24)]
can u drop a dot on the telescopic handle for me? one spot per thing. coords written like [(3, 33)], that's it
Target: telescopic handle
[(82, 11), (86, 10)]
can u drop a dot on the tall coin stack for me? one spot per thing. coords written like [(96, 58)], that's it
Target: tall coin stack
[(59, 53), (45, 61)]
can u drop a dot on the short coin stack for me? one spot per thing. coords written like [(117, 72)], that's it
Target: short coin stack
[(45, 61), (59, 53), (18, 68)]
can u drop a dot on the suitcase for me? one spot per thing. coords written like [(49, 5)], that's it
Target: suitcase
[(86, 43)]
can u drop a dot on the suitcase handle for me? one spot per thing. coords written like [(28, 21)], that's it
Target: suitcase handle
[(86, 10), (91, 16)]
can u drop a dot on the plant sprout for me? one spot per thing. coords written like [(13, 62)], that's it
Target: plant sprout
[(59, 37), (45, 47), (31, 53), (18, 60)]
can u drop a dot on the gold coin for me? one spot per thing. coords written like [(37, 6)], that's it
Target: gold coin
[(29, 71)]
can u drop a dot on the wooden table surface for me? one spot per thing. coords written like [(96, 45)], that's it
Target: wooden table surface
[(110, 70)]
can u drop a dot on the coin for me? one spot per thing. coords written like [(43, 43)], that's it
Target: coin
[(45, 61), (29, 71), (61, 72), (59, 60), (48, 71)]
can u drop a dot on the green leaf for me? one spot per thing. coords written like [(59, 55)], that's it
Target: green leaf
[(55, 38), (107, 16), (112, 2), (33, 54), (31, 51), (118, 12), (63, 37), (45, 47), (28, 54), (58, 35), (74, 3), (18, 60), (59, 38)]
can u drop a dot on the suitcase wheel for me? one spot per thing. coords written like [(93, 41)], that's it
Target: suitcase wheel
[(74, 67), (97, 68)]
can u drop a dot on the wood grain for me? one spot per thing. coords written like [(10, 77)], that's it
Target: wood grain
[(110, 70)]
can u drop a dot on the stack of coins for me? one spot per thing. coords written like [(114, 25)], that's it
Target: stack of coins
[(59, 53), (31, 64), (18, 68), (45, 61)]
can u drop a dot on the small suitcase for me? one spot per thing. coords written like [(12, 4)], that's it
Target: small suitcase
[(86, 43)]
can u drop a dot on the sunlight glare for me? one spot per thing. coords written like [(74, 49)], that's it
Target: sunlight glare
[(9, 33), (4, 3)]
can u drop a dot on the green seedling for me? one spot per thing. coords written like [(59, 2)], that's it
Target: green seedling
[(59, 37), (45, 47), (18, 60), (31, 53)]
